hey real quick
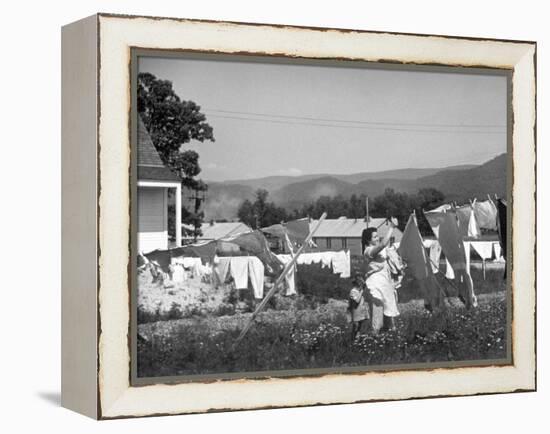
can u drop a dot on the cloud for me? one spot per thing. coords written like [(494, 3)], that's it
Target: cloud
[(214, 166), (292, 171)]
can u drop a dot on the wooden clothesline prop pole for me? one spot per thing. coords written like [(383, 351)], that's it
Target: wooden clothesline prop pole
[(279, 280)]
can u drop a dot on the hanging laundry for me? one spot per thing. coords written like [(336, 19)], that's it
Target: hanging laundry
[(187, 262), (395, 265), (198, 268), (435, 255), (256, 274), (449, 273), (484, 249), (498, 252), (290, 280), (502, 228), (473, 228), (463, 217), (486, 214), (178, 273), (239, 271), (256, 244), (221, 269), (467, 222), (442, 208), (467, 253), (451, 242), (313, 258), (204, 249), (290, 277), (454, 249), (435, 218), (207, 269), (411, 249), (317, 257), (341, 263), (394, 260), (142, 261), (284, 258), (298, 230), (326, 259), (161, 257), (276, 230)]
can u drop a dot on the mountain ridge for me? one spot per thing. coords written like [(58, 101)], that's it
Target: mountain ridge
[(455, 182), (277, 181)]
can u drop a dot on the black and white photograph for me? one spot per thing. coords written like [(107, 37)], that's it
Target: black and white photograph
[(298, 217)]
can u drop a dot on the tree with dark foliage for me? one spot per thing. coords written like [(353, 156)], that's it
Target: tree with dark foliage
[(261, 213), (390, 203), (172, 122)]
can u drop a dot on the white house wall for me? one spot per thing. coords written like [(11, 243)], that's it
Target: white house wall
[(152, 218)]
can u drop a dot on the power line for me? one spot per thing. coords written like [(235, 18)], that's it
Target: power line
[(279, 121), (307, 118)]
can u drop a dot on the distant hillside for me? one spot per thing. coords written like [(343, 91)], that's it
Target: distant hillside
[(272, 183), (461, 185), (223, 201), (458, 183), (294, 196), (398, 174)]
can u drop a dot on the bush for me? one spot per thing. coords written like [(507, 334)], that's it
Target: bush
[(321, 283), (225, 309), (309, 339)]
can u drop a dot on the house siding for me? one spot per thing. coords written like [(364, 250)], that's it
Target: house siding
[(152, 219), (353, 244)]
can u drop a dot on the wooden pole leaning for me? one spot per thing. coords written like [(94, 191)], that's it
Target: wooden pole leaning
[(279, 280)]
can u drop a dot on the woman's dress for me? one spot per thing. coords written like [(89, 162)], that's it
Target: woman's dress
[(379, 281)]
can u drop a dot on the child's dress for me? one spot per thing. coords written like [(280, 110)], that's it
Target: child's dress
[(360, 311)]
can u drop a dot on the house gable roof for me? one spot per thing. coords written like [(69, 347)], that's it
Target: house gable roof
[(150, 166)]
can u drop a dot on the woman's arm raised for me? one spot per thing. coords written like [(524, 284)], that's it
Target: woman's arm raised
[(377, 249)]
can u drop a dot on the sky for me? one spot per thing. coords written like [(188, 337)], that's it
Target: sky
[(289, 119)]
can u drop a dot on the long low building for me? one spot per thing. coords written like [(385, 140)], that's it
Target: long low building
[(345, 233)]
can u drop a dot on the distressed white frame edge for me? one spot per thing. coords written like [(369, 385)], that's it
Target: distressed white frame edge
[(117, 35), (79, 315)]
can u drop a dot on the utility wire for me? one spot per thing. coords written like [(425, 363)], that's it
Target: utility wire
[(277, 121), (404, 124)]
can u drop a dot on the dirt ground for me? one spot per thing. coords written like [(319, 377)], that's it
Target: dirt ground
[(194, 295)]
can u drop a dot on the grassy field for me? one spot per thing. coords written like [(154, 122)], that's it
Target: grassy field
[(311, 332)]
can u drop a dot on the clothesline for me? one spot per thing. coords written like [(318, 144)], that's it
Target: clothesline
[(242, 269)]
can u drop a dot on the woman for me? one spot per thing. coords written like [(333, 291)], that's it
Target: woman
[(383, 300)]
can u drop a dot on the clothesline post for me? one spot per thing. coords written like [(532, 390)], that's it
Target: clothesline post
[(279, 280)]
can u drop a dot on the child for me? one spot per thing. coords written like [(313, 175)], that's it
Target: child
[(357, 307)]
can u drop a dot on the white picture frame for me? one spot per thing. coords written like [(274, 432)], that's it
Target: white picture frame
[(96, 215)]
